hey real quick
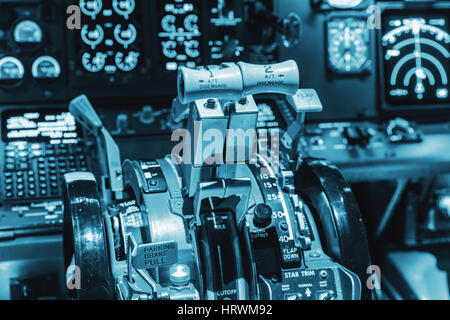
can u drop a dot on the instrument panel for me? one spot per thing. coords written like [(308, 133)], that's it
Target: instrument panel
[(179, 34), (111, 36), (109, 46), (104, 44), (32, 59)]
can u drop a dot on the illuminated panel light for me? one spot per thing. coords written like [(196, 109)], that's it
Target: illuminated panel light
[(171, 66), (398, 92), (442, 93)]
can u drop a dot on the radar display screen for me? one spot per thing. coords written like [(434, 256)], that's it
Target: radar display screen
[(416, 57)]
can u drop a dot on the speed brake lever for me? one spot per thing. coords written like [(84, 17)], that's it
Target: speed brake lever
[(109, 152)]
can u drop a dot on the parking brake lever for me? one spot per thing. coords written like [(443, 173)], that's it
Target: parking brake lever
[(109, 153)]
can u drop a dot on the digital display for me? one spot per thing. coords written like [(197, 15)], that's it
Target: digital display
[(416, 57), (50, 127)]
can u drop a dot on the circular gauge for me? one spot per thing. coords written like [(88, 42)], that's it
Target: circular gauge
[(28, 33), (92, 37), (191, 23), (191, 48), (11, 71), (46, 67), (348, 46), (127, 62), (91, 7), (125, 36), (344, 4), (93, 63), (168, 23), (169, 49), (416, 58), (124, 7)]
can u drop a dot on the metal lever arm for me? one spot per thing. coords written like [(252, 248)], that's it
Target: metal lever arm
[(305, 100), (85, 114)]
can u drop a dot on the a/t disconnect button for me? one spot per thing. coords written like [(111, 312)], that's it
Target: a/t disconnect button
[(262, 215)]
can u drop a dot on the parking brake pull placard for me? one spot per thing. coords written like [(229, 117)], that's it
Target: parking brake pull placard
[(155, 255)]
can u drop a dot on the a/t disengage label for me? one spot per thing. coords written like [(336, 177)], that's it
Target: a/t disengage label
[(154, 255)]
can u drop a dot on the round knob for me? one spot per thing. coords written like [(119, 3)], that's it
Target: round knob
[(180, 274), (262, 215)]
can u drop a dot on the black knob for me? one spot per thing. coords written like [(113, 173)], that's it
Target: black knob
[(352, 136), (356, 135), (262, 215)]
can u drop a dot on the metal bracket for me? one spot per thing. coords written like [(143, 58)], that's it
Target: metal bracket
[(223, 188)]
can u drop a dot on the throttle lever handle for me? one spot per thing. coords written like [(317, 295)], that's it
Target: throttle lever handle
[(235, 81)]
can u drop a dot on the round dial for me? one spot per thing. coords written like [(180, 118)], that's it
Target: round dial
[(93, 63), (125, 36), (28, 32), (91, 7), (92, 36), (191, 23), (127, 62), (169, 49), (168, 23), (348, 45), (46, 67), (191, 48), (416, 59), (11, 70), (124, 7)]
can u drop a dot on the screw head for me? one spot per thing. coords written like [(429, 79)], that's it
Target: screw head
[(323, 274), (284, 226), (210, 104)]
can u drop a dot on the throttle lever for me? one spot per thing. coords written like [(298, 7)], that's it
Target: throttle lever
[(235, 81)]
